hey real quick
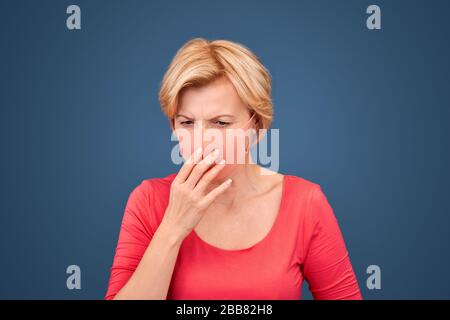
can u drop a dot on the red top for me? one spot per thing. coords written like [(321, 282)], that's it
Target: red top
[(305, 242)]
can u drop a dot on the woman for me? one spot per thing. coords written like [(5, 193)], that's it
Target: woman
[(222, 229)]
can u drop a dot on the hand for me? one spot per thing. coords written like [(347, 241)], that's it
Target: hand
[(188, 198)]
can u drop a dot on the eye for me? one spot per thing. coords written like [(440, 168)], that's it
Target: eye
[(221, 123), (186, 123)]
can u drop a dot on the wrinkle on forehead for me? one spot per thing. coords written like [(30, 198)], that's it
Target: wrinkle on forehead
[(206, 102)]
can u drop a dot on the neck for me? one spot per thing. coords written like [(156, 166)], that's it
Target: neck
[(247, 180)]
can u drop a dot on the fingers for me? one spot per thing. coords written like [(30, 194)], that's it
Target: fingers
[(209, 176), (210, 197), (200, 169), (187, 167)]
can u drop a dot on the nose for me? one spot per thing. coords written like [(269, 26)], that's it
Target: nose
[(199, 138), (199, 132)]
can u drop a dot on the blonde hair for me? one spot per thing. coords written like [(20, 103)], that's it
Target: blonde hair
[(200, 61)]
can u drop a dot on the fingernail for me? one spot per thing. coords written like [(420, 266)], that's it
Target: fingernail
[(214, 154), (197, 155)]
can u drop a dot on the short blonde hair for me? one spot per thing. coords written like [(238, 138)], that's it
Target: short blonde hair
[(200, 61)]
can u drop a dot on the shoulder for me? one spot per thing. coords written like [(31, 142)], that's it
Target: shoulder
[(308, 199), (316, 212), (312, 192), (157, 186), (156, 190), (300, 188), (150, 197), (316, 219)]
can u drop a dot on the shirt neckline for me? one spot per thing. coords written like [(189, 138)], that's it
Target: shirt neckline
[(264, 239)]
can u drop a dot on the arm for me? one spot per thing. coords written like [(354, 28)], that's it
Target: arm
[(151, 278), (144, 260), (326, 266)]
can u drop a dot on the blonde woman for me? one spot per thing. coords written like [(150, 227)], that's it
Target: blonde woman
[(221, 229)]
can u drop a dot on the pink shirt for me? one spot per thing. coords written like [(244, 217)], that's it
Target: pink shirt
[(304, 243)]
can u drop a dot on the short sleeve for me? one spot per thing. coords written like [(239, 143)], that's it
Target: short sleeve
[(136, 232), (326, 263)]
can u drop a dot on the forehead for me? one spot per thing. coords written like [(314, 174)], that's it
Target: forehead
[(218, 96)]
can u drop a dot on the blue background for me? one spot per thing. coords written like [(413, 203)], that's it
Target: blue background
[(363, 113)]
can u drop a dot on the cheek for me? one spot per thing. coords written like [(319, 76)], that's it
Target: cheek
[(234, 148), (185, 143), (185, 150)]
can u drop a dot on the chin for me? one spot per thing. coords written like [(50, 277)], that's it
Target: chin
[(227, 172), (223, 175)]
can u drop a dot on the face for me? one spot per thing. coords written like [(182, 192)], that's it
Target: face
[(214, 116)]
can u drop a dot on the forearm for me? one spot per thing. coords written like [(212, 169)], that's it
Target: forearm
[(151, 279)]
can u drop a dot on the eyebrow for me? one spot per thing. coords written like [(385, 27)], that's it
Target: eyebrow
[(215, 117)]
